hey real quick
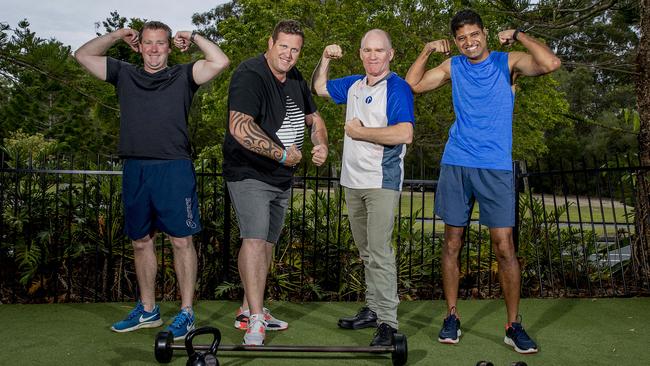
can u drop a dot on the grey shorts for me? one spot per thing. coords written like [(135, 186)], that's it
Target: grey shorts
[(260, 209), (459, 186)]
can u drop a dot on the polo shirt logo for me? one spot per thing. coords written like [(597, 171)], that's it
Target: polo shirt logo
[(369, 100)]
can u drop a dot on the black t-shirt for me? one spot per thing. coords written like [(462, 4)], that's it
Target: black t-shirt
[(278, 108), (153, 109)]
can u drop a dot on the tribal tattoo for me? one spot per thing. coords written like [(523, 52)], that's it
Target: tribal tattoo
[(251, 136)]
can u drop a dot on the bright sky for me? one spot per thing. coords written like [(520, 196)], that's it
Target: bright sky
[(73, 21)]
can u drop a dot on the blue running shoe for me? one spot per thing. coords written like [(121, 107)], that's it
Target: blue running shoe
[(516, 337), (450, 332), (182, 324), (138, 318)]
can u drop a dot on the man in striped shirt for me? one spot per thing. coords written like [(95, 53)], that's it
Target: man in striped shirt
[(269, 104)]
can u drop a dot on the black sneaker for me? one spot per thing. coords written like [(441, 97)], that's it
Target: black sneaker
[(383, 335), (365, 318), (517, 337)]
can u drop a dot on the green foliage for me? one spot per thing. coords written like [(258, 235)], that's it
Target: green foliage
[(598, 52), (558, 260), (49, 105), (243, 27), (28, 147), (45, 91)]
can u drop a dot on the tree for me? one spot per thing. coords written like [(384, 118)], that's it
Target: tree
[(242, 28), (642, 209), (599, 42), (45, 91)]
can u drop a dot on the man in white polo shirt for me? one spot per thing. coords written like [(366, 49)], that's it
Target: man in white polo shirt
[(379, 124)]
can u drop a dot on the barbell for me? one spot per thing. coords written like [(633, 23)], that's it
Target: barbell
[(164, 348)]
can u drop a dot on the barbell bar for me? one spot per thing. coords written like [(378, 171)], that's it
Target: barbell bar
[(164, 348)]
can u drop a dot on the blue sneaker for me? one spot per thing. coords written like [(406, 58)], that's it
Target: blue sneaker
[(516, 337), (182, 324), (138, 318), (450, 332)]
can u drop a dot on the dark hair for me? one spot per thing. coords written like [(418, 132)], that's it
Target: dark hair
[(155, 25), (465, 17), (288, 27)]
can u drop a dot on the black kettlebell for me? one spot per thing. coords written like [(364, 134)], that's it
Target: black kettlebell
[(208, 358)]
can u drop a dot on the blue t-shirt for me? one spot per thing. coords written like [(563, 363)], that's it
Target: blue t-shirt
[(481, 136), (365, 164)]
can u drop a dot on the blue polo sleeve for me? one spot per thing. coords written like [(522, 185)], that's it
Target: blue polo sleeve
[(399, 106), (338, 88)]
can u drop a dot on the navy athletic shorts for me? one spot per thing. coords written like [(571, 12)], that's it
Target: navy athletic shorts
[(459, 186), (160, 195)]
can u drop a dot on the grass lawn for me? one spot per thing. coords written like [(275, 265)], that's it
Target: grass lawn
[(599, 211), (569, 332)]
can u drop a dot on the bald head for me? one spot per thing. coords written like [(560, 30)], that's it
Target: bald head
[(376, 53), (377, 33)]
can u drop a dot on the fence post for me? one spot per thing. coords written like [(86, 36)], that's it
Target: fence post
[(517, 176), (225, 248)]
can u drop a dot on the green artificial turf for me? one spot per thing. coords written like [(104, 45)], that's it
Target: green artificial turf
[(568, 331)]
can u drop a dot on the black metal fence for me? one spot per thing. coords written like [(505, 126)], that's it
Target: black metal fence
[(61, 236)]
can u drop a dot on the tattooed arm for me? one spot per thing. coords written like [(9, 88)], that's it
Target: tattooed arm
[(251, 136)]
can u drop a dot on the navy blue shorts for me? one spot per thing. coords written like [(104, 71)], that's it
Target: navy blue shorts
[(459, 186), (160, 195)]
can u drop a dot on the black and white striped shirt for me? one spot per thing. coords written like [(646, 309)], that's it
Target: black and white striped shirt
[(292, 130)]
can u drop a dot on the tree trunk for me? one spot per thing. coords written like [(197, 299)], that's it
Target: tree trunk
[(642, 210)]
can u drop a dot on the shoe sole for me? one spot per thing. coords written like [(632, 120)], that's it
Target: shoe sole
[(355, 327), (450, 340), (511, 343), (152, 324), (251, 344), (244, 325), (181, 337)]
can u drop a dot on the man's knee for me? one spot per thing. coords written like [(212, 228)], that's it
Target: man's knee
[(452, 244), (181, 243), (502, 242), (143, 244)]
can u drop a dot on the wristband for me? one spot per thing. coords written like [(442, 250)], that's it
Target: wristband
[(284, 157), (516, 32), (194, 33)]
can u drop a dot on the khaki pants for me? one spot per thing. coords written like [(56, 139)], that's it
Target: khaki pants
[(372, 215)]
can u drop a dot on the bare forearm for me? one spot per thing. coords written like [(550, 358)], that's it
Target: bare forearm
[(252, 137), (98, 46), (416, 71), (213, 54), (318, 129), (320, 76), (401, 133), (545, 59)]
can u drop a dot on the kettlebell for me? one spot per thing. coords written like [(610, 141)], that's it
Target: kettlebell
[(208, 358)]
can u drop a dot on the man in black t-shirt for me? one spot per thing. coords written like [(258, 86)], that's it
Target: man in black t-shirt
[(269, 105), (158, 182)]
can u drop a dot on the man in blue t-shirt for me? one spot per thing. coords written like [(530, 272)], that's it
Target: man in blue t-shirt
[(158, 181), (477, 162), (379, 124)]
